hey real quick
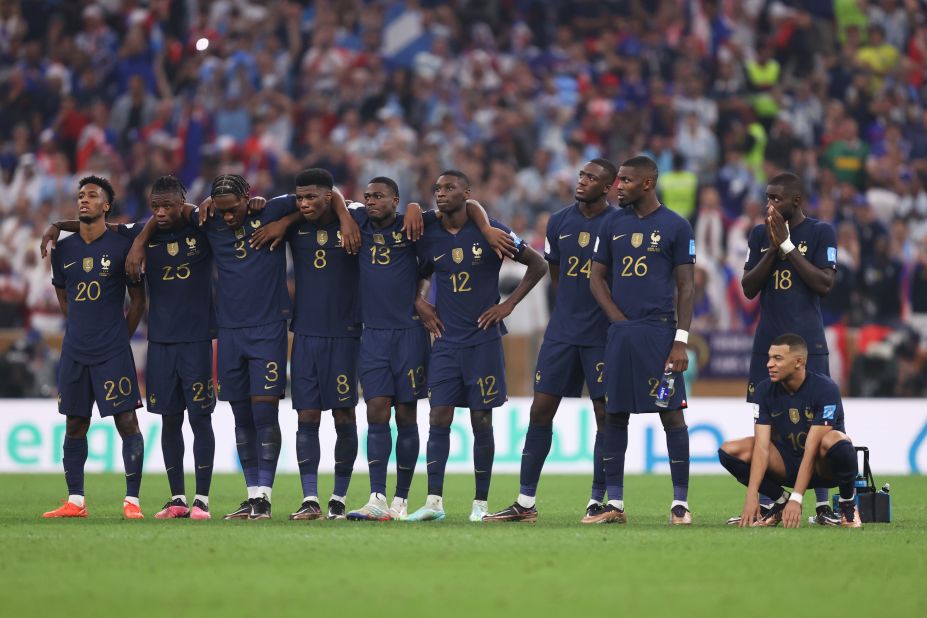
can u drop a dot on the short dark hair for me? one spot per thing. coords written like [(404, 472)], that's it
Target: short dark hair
[(230, 183), (102, 183), (608, 166), (456, 174), (644, 163), (386, 180), (792, 183), (795, 342), (169, 184), (315, 177)]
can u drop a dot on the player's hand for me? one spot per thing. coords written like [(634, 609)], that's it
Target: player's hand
[(791, 514), (272, 233), (256, 204), (350, 235), (494, 315), (429, 316), (778, 230), (413, 224), (135, 261), (751, 511), (49, 237), (501, 242), (205, 210), (677, 360)]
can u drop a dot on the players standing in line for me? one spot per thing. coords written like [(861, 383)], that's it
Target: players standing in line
[(96, 360), (180, 332), (466, 367), (574, 343), (791, 264), (649, 253), (800, 413)]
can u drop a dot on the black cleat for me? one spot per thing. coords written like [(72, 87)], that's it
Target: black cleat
[(242, 512), (735, 520), (309, 509), (516, 512), (260, 508), (336, 510), (825, 516), (594, 509), (772, 518)]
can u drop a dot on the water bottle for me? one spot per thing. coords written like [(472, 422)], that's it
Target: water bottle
[(665, 389), (886, 488)]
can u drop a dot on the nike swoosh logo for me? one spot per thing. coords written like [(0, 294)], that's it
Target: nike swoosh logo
[(202, 467), (169, 469), (128, 474), (775, 414), (404, 468), (70, 265), (764, 249), (344, 398), (152, 245), (607, 458), (431, 462), (119, 403), (267, 387), (301, 233), (562, 236), (370, 463), (301, 462), (672, 461), (619, 236), (439, 257)]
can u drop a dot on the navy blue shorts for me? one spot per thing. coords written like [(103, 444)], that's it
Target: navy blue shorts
[(252, 361), (324, 372), (178, 376), (562, 368), (635, 357), (113, 384), (394, 364), (818, 363), (793, 463), (467, 377)]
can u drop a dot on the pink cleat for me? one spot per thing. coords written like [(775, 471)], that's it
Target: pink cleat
[(199, 511), (174, 509)]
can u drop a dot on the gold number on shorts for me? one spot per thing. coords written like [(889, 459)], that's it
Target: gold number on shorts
[(488, 386), (342, 385), (599, 372), (272, 372), (123, 385)]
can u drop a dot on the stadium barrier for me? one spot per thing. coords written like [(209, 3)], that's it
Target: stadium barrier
[(895, 430)]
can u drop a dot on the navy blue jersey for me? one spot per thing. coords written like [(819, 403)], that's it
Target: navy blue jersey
[(326, 301), (94, 277), (817, 402), (787, 304), (466, 275), (251, 286), (577, 318), (388, 273), (179, 279), (641, 255)]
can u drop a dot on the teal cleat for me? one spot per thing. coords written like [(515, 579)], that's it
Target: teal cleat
[(427, 513)]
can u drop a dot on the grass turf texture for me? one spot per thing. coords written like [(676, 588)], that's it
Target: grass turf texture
[(104, 566)]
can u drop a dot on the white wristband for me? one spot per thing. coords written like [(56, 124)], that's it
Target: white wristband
[(682, 336), (787, 247), (796, 497)]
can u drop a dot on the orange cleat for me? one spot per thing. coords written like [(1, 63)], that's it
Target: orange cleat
[(131, 511), (67, 509)]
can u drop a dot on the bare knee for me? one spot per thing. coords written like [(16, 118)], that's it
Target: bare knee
[(742, 449), (618, 420), (406, 414), (309, 416), (378, 410), (543, 409), (345, 416), (675, 419), (598, 407), (480, 420), (76, 427), (831, 438), (442, 416), (126, 424)]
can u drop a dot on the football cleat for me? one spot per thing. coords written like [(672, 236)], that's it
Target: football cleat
[(680, 516), (772, 518), (173, 509), (515, 513), (608, 515), (825, 516), (849, 514), (335, 510), (594, 509), (67, 509), (479, 511), (131, 511), (399, 509), (260, 508), (308, 510), (374, 510), (200, 511), (242, 512), (735, 520), (427, 513)]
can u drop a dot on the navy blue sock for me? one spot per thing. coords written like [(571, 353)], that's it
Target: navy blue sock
[(204, 451), (844, 466), (484, 451), (74, 458), (613, 451), (267, 429), (308, 454), (246, 441), (379, 447), (741, 471), (677, 447), (820, 494), (407, 447), (133, 456), (345, 454), (598, 468), (537, 446), (437, 451), (172, 449)]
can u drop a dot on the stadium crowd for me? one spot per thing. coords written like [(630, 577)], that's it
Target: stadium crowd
[(516, 93)]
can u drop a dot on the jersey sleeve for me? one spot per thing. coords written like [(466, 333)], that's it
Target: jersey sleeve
[(825, 249), (684, 245), (57, 271), (753, 247), (602, 250), (358, 212), (429, 217), (552, 242), (761, 411), (279, 207), (828, 407), (520, 245)]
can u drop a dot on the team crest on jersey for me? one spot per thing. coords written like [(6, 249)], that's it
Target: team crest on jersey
[(88, 264), (191, 246), (794, 415), (104, 265), (751, 388), (637, 239), (321, 237), (537, 377), (256, 224), (477, 253), (655, 237), (339, 240), (378, 239), (173, 248), (397, 237), (809, 414), (584, 239), (240, 233), (152, 399), (803, 247), (457, 255)]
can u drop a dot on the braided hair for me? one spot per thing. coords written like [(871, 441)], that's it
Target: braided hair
[(169, 184), (230, 184)]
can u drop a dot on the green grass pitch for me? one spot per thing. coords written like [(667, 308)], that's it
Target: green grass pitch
[(104, 566)]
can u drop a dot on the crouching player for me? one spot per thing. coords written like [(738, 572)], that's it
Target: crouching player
[(799, 413)]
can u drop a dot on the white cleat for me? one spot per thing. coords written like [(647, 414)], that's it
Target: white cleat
[(432, 511), (374, 510), (479, 511), (399, 509)]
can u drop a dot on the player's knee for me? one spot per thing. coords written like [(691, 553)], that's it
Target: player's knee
[(405, 415), (541, 416), (441, 417), (617, 420), (172, 423), (126, 424), (673, 420), (378, 410), (309, 416), (833, 437), (76, 427), (481, 420), (598, 408), (732, 448), (345, 416)]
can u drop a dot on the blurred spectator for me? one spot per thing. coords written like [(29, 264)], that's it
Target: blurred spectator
[(678, 188)]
